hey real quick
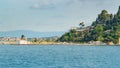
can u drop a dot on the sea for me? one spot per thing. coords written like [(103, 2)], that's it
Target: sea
[(59, 56)]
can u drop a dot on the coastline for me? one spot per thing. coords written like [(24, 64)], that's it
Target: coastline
[(62, 43)]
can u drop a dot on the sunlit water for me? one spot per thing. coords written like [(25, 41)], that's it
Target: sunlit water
[(59, 56)]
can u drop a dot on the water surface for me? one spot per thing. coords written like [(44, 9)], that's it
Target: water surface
[(59, 56)]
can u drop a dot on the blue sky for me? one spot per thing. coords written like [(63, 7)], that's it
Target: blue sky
[(51, 15)]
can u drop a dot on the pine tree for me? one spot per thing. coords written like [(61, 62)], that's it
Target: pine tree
[(118, 13)]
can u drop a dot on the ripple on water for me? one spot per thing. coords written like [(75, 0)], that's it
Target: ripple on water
[(51, 56)]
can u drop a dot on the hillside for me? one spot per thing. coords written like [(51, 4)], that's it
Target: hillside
[(106, 28)]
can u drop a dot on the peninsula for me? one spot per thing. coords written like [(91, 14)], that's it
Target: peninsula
[(105, 29)]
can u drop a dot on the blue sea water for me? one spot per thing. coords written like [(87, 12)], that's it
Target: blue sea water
[(59, 56)]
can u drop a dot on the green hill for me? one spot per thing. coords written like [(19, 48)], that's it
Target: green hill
[(106, 28)]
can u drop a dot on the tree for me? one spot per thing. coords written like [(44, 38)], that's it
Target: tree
[(35, 40), (72, 30), (81, 24), (94, 23), (103, 17), (99, 32), (118, 13), (22, 37)]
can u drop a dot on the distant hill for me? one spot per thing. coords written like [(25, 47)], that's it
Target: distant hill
[(29, 33)]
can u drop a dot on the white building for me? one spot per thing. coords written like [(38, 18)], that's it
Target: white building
[(23, 42)]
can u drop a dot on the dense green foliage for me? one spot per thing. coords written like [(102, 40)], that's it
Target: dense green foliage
[(106, 28)]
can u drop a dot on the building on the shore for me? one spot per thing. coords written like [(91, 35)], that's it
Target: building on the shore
[(22, 42), (8, 40), (119, 41), (97, 43)]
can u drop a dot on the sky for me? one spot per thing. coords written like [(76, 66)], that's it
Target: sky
[(51, 15)]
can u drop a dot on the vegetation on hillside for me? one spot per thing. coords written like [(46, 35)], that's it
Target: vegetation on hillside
[(105, 28)]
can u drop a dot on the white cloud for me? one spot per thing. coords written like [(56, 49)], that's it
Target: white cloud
[(53, 3), (36, 6), (45, 4)]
